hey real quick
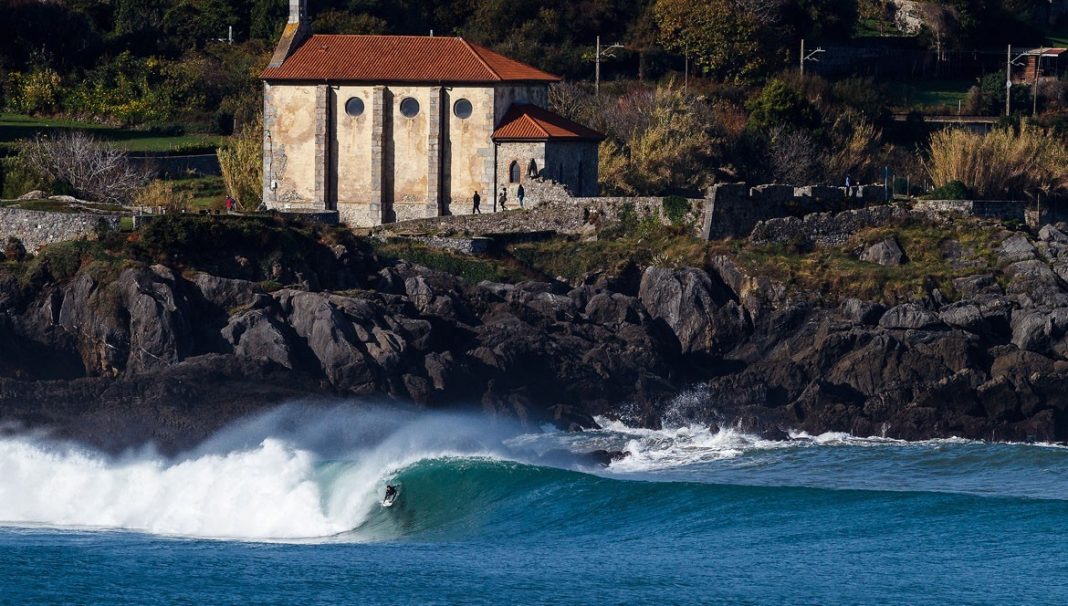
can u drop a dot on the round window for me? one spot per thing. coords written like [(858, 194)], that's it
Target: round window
[(354, 106), (462, 109), (409, 108)]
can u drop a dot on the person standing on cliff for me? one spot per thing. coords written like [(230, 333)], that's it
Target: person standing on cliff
[(520, 193), (503, 198), (229, 204), (476, 200)]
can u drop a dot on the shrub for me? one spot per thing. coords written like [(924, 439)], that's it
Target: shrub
[(954, 190), (161, 194), (677, 209), (19, 178), (241, 160), (92, 169), (14, 249), (36, 92), (1002, 162)]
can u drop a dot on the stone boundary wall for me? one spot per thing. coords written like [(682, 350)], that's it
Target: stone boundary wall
[(1006, 210), (729, 210), (732, 210), (37, 229)]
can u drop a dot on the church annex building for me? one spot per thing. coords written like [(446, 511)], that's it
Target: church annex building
[(388, 128)]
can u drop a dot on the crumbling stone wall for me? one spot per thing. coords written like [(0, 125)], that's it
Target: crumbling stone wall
[(734, 209), (1006, 210), (37, 228), (728, 210)]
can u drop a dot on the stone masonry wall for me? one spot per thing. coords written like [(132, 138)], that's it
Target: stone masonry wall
[(729, 210), (36, 228), (992, 209)]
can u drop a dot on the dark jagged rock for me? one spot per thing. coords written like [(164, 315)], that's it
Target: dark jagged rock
[(153, 353)]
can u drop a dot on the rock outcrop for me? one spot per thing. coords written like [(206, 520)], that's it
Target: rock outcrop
[(154, 353)]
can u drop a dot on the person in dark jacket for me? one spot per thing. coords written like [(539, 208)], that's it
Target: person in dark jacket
[(476, 200), (520, 193)]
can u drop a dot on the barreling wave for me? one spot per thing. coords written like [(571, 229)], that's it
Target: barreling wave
[(308, 474)]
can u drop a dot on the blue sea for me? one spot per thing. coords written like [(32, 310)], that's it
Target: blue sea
[(285, 508)]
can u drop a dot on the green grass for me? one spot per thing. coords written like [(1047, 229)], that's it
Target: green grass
[(14, 127), (932, 96), (875, 28), (209, 193), (471, 269)]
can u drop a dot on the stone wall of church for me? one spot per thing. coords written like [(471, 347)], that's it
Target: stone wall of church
[(289, 134), (406, 158), (506, 95), (352, 188), (573, 164), (520, 154), (468, 149)]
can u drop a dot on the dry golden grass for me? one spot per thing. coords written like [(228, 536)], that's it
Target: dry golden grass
[(834, 273), (1001, 163), (241, 160)]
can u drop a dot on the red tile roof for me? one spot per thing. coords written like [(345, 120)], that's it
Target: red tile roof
[(525, 122), (401, 59)]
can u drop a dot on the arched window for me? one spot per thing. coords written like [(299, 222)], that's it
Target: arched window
[(513, 172), (532, 168)]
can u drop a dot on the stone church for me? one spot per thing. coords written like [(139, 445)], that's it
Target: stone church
[(388, 128)]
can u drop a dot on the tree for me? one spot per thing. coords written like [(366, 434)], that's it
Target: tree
[(91, 168), (780, 105), (724, 37)]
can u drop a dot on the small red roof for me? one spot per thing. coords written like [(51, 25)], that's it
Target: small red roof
[(525, 122), (401, 59)]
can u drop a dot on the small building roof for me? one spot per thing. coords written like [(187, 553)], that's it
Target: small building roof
[(525, 122), (1046, 52), (415, 59)]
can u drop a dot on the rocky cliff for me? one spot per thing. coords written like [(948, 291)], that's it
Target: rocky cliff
[(153, 349)]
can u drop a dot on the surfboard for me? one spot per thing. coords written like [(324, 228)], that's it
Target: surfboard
[(390, 500)]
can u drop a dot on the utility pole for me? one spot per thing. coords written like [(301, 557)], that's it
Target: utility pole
[(808, 57), (1034, 92), (686, 72), (1008, 82), (607, 53)]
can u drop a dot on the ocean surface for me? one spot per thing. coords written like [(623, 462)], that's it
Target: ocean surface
[(285, 508)]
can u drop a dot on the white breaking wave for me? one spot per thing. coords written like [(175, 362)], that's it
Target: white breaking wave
[(242, 485), (267, 492)]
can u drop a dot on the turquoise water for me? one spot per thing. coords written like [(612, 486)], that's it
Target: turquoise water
[(284, 509)]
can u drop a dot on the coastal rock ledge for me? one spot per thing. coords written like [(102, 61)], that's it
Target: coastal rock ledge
[(157, 353)]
